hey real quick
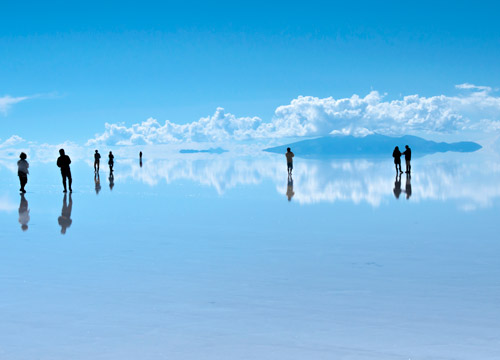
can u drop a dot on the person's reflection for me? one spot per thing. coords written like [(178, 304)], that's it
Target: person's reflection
[(65, 218), (24, 213), (97, 181), (289, 190), (397, 186), (408, 186), (111, 181)]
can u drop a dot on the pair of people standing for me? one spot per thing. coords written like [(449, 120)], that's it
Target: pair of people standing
[(396, 154), (97, 160)]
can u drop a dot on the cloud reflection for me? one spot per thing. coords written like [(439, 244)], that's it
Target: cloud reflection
[(472, 180)]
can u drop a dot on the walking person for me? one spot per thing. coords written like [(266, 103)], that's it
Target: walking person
[(396, 154), (22, 171), (63, 162), (97, 161), (289, 160), (407, 154), (111, 161)]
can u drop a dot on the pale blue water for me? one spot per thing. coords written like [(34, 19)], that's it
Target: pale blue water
[(204, 257)]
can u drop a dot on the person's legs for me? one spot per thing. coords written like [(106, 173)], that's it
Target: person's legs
[(70, 180), (63, 174), (23, 180)]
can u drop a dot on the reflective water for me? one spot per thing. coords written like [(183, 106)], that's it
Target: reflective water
[(206, 256)]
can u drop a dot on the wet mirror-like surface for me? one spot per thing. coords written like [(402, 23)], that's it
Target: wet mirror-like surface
[(212, 256)]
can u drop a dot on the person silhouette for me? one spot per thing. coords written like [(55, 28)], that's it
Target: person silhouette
[(111, 181), (408, 186), (289, 160), (22, 171), (24, 213), (397, 186), (97, 161), (289, 189), (140, 158), (63, 162), (65, 219), (407, 154), (396, 154), (97, 181), (111, 161)]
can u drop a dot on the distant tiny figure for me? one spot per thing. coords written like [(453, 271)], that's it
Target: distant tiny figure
[(289, 160), (111, 161), (65, 219), (397, 186), (63, 162), (396, 154), (289, 190), (140, 158), (24, 213), (97, 161), (111, 181), (407, 154), (22, 171), (408, 186), (97, 181)]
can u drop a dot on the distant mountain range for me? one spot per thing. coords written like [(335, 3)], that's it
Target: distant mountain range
[(370, 146)]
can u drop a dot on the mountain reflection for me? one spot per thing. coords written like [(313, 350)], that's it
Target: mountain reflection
[(464, 179)]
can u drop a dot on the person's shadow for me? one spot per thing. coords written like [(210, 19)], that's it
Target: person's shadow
[(397, 186), (408, 186), (97, 181), (289, 189), (24, 213), (65, 219), (111, 181)]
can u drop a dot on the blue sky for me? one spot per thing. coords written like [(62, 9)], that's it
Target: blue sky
[(91, 63)]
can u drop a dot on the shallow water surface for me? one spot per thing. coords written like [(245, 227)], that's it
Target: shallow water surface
[(211, 256)]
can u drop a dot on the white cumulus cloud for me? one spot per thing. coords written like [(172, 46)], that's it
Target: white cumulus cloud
[(475, 109)]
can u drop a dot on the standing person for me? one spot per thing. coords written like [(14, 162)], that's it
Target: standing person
[(22, 171), (111, 161), (63, 162), (140, 158), (97, 161), (396, 154), (407, 154), (289, 160)]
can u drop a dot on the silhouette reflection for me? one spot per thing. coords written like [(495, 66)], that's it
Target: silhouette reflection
[(111, 181), (24, 213), (289, 189), (408, 186), (397, 185), (97, 181), (65, 219)]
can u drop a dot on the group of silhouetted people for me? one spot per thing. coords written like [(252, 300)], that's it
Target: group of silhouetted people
[(396, 154), (63, 162)]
